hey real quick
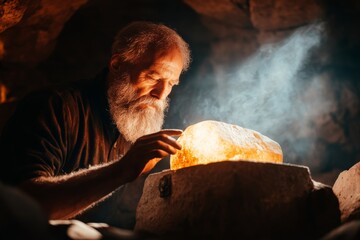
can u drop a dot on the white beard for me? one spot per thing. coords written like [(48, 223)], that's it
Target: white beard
[(131, 120)]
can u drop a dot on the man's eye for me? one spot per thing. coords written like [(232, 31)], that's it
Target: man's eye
[(153, 79)]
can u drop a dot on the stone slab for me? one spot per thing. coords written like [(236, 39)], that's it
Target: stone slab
[(225, 199)]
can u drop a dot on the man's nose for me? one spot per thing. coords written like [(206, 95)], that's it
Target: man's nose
[(161, 90)]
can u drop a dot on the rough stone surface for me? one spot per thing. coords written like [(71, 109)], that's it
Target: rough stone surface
[(11, 12), (229, 12), (347, 189), (34, 38), (284, 14), (233, 199)]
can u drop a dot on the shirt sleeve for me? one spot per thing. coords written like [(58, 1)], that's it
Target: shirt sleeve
[(34, 141)]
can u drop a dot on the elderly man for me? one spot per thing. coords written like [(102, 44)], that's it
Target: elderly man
[(69, 148)]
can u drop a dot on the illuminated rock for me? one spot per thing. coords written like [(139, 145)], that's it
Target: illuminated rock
[(347, 189), (212, 141)]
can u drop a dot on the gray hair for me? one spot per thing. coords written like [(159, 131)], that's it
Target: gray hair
[(138, 38)]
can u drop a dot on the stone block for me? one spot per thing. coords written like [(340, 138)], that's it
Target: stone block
[(244, 199)]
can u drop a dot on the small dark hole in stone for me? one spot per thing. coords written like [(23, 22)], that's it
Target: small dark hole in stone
[(165, 186)]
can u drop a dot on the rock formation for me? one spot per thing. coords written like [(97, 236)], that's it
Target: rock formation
[(347, 189), (243, 199)]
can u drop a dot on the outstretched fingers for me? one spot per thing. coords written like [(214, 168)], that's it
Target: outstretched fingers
[(161, 138), (169, 132), (158, 154), (150, 149)]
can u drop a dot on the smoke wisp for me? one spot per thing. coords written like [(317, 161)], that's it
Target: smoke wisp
[(277, 91)]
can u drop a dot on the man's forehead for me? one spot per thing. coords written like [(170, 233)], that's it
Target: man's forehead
[(171, 57), (164, 66), (161, 74)]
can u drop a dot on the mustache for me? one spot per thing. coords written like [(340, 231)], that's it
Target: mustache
[(160, 105)]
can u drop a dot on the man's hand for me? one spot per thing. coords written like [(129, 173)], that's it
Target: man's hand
[(148, 150)]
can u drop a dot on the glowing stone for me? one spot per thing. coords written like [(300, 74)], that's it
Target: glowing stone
[(212, 141)]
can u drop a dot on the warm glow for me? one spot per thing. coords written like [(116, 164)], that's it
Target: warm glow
[(212, 141), (3, 93), (2, 49)]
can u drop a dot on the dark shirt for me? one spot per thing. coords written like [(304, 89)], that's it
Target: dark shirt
[(60, 131)]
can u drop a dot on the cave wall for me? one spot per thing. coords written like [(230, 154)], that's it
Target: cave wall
[(48, 42)]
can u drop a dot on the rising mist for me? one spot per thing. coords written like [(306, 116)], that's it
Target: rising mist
[(278, 91)]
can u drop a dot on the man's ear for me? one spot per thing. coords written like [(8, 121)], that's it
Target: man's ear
[(115, 62)]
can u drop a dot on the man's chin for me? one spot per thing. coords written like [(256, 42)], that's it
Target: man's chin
[(136, 125)]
